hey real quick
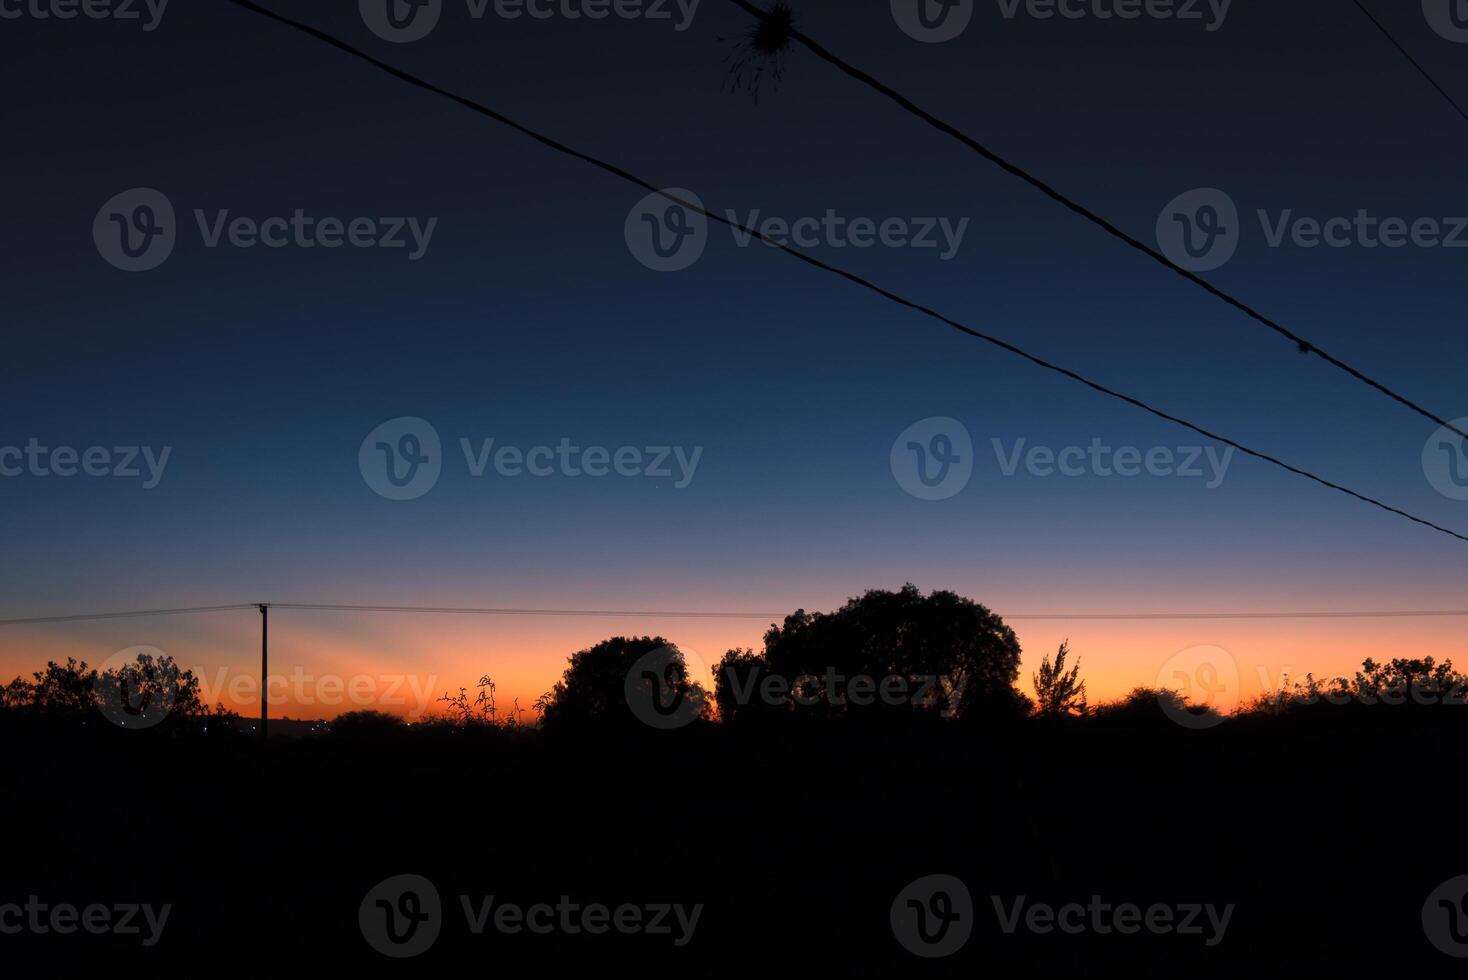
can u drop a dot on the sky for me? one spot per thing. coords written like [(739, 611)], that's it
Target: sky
[(528, 318)]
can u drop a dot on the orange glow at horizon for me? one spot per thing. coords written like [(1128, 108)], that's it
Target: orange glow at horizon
[(324, 664)]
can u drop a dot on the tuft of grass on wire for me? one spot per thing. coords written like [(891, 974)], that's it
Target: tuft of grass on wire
[(758, 58)]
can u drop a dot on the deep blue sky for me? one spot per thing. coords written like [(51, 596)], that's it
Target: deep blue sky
[(528, 320)]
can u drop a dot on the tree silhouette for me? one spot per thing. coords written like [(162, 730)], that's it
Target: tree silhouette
[(593, 689), (955, 649), (16, 694), (1059, 691), (1407, 679), (64, 689), (736, 684), (149, 690)]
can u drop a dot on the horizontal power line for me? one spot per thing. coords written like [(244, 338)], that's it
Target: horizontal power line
[(78, 617), (811, 260), (726, 614), (502, 611), (1353, 614), (689, 614), (1075, 207)]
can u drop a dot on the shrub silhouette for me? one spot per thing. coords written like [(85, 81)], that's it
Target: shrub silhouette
[(367, 724), (1400, 682), (1144, 708)]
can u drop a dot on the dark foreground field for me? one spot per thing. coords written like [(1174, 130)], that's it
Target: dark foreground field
[(1326, 829)]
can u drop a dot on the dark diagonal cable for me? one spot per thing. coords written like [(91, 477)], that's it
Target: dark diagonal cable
[(1305, 346), (1414, 62), (825, 267)]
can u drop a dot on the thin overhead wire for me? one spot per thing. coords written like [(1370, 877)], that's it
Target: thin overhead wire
[(78, 617), (1413, 61), (796, 253), (1301, 343), (728, 614)]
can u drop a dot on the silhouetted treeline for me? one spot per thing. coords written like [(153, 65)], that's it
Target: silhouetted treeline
[(1323, 814)]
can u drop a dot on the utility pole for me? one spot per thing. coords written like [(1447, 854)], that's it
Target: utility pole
[(264, 666)]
